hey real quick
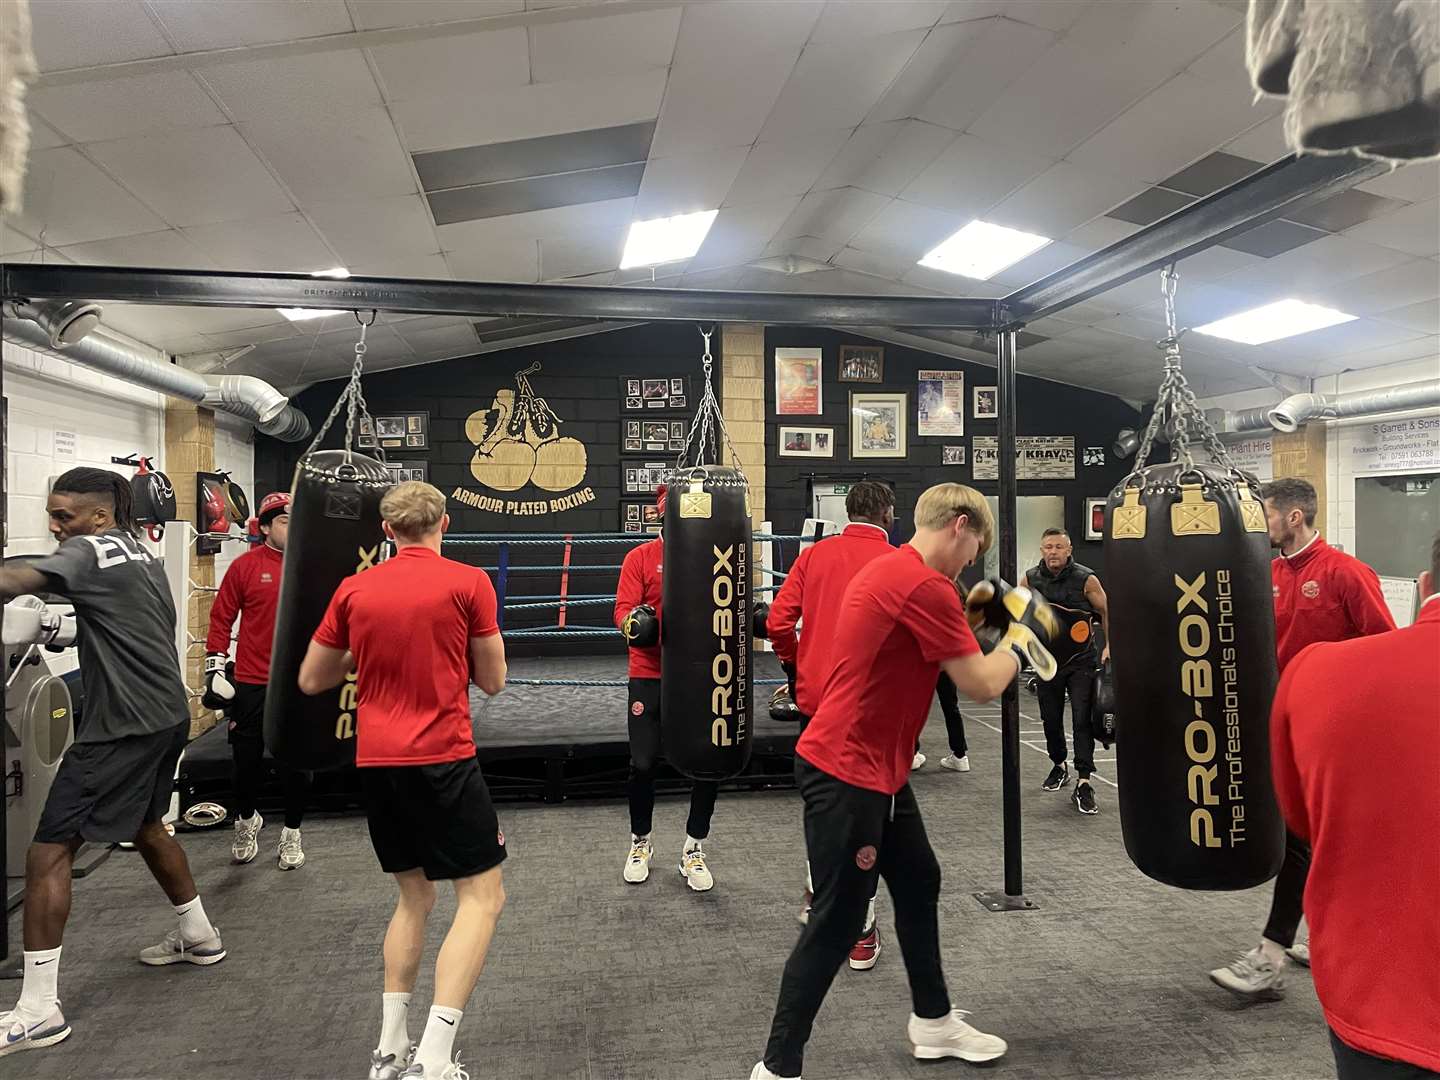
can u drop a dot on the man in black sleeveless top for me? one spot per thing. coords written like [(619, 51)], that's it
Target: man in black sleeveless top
[(1075, 593)]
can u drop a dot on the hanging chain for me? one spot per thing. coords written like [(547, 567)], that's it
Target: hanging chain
[(352, 398), (708, 419)]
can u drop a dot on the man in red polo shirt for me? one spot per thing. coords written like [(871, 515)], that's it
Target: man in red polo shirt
[(1321, 594), (637, 606), (812, 593), (900, 624), (1374, 834), (251, 590), (414, 632)]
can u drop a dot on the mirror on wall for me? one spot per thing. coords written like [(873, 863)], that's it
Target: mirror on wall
[(1396, 518)]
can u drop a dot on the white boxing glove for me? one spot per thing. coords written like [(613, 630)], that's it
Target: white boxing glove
[(219, 690), (24, 621)]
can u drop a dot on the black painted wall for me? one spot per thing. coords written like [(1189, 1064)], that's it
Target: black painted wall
[(1045, 408)]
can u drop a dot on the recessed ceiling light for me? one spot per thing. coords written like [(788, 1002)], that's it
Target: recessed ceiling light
[(1282, 319), (663, 240), (300, 314), (981, 250)]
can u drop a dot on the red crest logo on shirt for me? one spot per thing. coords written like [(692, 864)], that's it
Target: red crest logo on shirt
[(1311, 589), (637, 708), (1276, 590), (266, 578), (865, 857)]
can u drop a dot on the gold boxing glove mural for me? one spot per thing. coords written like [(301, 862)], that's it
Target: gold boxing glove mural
[(517, 442)]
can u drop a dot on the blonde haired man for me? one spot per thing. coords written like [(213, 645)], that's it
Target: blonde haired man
[(899, 625), (414, 632)]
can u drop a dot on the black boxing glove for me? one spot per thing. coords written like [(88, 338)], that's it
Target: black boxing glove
[(759, 624), (641, 627), (789, 670), (1003, 615), (219, 689)]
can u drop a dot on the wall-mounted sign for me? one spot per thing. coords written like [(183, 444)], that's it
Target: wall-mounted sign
[(402, 431), (1037, 457), (1395, 445), (652, 436), (656, 394), (1254, 456), (942, 403), (797, 382)]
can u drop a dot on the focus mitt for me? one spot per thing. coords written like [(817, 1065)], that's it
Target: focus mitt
[(1102, 707), (641, 627), (1002, 615), (762, 616), (219, 689), (783, 707)]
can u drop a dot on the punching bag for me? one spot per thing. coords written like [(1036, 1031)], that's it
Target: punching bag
[(334, 532), (1192, 629), (705, 676)]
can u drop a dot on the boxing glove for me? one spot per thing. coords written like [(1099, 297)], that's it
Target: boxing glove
[(760, 623), (64, 633), (28, 621), (1014, 618), (789, 670), (641, 627), (219, 690)]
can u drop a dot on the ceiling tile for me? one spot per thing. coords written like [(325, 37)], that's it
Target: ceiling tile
[(358, 156), (727, 278), (574, 256), (529, 112), (713, 36), (1054, 15), (318, 84), (165, 324), (1211, 173), (382, 14), (835, 85), (713, 105), (686, 183), (195, 177), (454, 67), (84, 33), (834, 215), (442, 342), (814, 248), (1274, 238), (906, 230), (885, 158), (1215, 263), (972, 175), (1422, 348), (1337, 340), (282, 330), (169, 248), (848, 20), (14, 242), (286, 243), (1264, 142), (72, 201), (1164, 37), (865, 262), (1060, 199), (518, 197), (1423, 317), (556, 222), (1413, 229), (1345, 210), (546, 156), (43, 137), (1400, 286), (433, 267), (788, 167), (1224, 62), (1150, 206), (593, 48), (1101, 233), (249, 22), (367, 229), (741, 233), (1046, 261), (117, 108), (513, 260), (1417, 182)]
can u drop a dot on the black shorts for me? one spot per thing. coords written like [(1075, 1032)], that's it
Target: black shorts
[(105, 791), (438, 818), (245, 717)]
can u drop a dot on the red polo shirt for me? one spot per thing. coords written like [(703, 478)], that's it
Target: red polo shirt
[(1324, 595), (1355, 749), (813, 589), (251, 589), (408, 622), (640, 584), (897, 621)]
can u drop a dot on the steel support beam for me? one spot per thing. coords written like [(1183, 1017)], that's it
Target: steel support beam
[(1260, 197), (422, 297)]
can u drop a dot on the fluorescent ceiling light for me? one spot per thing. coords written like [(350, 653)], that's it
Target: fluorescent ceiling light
[(1282, 319), (663, 240), (981, 250), (300, 314)]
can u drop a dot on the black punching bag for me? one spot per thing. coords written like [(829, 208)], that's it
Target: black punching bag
[(334, 532), (706, 602), (1192, 629)]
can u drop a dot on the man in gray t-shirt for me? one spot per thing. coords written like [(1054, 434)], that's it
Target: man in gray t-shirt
[(115, 781)]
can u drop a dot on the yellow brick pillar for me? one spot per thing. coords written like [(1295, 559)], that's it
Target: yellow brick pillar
[(1302, 454), (742, 364), (190, 448)]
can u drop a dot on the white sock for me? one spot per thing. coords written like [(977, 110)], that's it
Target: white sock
[(869, 918), (437, 1045), (934, 1026), (38, 990), (691, 844), (194, 923), (1273, 951), (394, 1025)]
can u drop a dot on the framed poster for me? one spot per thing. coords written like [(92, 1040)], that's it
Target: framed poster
[(640, 517), (797, 382), (655, 394), (877, 425), (405, 431), (1095, 518), (643, 478), (807, 442), (862, 363), (942, 404), (986, 400), (1037, 457), (952, 455)]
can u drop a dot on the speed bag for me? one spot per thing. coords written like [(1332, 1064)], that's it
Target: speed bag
[(705, 676), (1192, 627), (334, 532)]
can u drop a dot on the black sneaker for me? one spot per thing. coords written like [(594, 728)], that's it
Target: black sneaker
[(1084, 798), (1058, 778)]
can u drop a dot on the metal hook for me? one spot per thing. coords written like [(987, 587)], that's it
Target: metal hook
[(374, 314)]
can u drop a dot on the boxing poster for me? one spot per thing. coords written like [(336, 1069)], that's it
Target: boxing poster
[(797, 382), (1037, 457), (942, 403)]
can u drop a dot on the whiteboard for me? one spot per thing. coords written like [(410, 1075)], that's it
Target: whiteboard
[(1400, 597)]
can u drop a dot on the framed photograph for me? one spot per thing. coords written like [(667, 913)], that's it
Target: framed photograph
[(986, 402), (412, 423), (677, 431), (634, 446), (401, 471), (1093, 455), (877, 425), (797, 382), (1095, 519), (632, 387), (643, 479), (407, 431), (634, 402), (677, 401), (632, 429), (414, 440), (656, 435), (630, 479), (390, 427), (632, 511), (941, 409), (677, 386), (807, 442), (862, 363), (952, 455), (651, 389)]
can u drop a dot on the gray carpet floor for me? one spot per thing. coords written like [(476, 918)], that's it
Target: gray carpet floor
[(591, 979)]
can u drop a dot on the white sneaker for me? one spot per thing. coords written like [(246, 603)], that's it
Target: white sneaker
[(389, 1066), (695, 872), (289, 854), (452, 1071), (1252, 976), (956, 764), (951, 1036), (173, 950), (1300, 953), (637, 863), (760, 1072), (17, 1034), (918, 762), (246, 844)]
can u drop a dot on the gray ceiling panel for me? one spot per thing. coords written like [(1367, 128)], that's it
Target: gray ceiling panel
[(538, 193), (579, 150)]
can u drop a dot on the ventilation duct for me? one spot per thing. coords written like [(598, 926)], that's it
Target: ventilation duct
[(1297, 409), (245, 396)]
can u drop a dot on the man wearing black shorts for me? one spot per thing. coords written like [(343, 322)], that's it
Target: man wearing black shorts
[(116, 779), (413, 633)]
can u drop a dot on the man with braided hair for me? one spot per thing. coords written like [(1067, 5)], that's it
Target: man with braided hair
[(116, 780)]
